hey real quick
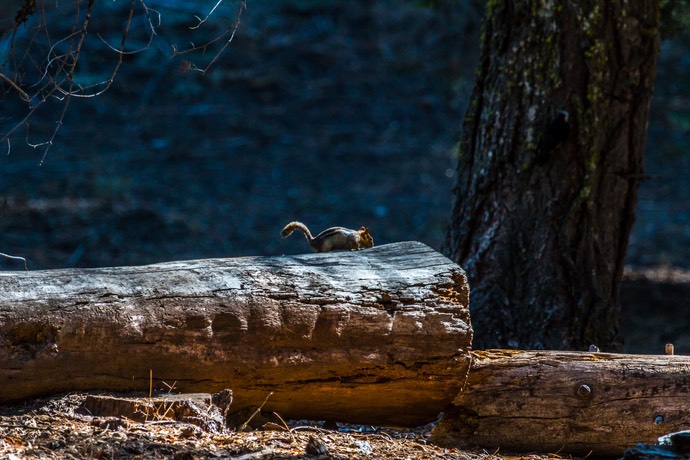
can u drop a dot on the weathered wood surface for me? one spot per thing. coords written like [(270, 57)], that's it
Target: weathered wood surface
[(196, 408), (567, 402), (378, 336)]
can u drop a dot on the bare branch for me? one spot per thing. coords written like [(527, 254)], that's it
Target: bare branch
[(231, 30), (121, 50), (201, 21), (54, 59), (120, 53), (148, 17), (232, 35), (15, 87), (70, 79)]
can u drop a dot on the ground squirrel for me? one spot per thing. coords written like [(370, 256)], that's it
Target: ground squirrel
[(332, 239)]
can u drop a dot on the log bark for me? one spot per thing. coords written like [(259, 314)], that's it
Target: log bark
[(378, 336), (567, 402)]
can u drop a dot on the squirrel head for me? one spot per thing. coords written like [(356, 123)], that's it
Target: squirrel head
[(365, 238)]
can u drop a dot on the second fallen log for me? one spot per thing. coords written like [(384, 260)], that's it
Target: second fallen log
[(580, 403)]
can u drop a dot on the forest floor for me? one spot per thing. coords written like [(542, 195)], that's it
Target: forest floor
[(334, 113), (54, 429)]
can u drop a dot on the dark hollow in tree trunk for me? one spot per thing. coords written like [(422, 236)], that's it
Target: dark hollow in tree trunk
[(542, 213), (567, 402), (378, 336)]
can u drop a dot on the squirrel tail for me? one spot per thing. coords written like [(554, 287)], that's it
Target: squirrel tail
[(292, 226)]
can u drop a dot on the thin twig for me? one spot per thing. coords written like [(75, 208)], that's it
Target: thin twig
[(150, 384), (121, 51), (55, 57), (201, 21), (258, 409), (148, 17), (231, 30), (70, 77), (232, 35), (15, 86)]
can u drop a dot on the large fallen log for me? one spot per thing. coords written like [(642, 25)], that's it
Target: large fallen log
[(567, 402), (378, 336)]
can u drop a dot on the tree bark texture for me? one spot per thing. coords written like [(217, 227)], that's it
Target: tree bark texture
[(541, 216), (567, 402), (378, 336)]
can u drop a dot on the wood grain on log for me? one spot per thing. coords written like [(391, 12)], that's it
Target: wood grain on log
[(378, 336), (567, 402)]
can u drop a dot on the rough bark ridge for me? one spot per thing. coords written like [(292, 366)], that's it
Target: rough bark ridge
[(542, 228), (378, 336)]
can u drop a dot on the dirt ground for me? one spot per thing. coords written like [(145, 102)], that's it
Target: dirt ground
[(53, 429), (333, 113)]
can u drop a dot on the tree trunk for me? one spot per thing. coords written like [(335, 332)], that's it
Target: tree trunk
[(378, 336), (544, 203), (567, 402)]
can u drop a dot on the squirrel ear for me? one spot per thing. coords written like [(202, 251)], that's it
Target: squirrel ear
[(363, 229)]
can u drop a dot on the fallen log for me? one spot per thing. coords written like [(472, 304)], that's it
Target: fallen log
[(567, 402), (379, 336)]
